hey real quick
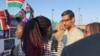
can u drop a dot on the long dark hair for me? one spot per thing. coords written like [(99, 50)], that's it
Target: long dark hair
[(35, 34)]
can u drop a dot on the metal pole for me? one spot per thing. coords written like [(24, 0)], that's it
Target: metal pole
[(91, 19), (52, 14), (81, 21), (97, 20), (79, 14)]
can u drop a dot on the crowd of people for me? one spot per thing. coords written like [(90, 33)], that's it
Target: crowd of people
[(39, 39)]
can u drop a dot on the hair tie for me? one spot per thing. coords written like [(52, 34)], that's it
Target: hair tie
[(24, 21)]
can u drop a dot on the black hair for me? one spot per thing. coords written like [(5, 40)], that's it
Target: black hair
[(44, 23), (68, 12), (35, 35)]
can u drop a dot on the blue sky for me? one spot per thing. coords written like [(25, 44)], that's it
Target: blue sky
[(89, 9)]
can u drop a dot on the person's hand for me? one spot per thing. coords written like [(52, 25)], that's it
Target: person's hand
[(60, 26)]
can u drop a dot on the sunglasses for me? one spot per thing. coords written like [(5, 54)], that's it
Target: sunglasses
[(65, 20)]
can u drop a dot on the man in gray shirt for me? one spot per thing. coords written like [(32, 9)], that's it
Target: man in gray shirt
[(72, 33)]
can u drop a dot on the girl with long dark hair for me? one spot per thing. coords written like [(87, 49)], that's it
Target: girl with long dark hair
[(36, 34)]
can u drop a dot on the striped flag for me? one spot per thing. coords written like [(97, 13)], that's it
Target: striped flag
[(21, 15), (3, 23), (28, 8), (15, 3)]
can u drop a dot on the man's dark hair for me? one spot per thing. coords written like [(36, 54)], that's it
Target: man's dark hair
[(68, 12)]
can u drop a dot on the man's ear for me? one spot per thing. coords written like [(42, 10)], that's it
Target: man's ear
[(73, 20)]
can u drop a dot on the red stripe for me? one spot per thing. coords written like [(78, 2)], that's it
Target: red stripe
[(2, 13), (27, 7), (22, 1)]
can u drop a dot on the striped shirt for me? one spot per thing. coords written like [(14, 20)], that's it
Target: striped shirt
[(49, 52)]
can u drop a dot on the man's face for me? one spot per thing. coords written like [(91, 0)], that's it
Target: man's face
[(67, 21)]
